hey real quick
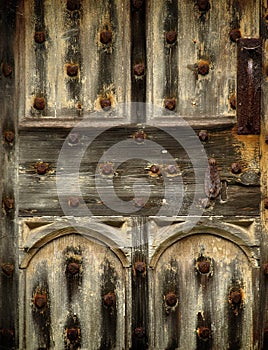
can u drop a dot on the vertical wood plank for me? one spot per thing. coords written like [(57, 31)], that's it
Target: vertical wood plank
[(8, 130)]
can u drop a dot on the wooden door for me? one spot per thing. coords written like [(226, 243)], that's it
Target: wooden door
[(133, 168)]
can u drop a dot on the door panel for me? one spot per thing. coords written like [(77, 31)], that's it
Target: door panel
[(75, 296), (203, 295)]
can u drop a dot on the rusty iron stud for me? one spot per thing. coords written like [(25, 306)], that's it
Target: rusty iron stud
[(73, 5), (140, 266), (139, 332), (40, 300), (107, 169), (203, 333), (204, 267), (235, 297), (171, 299), (171, 169), (6, 69), (203, 67), (39, 37), (73, 268), (109, 299), (72, 70), (212, 161), (265, 203), (236, 168), (154, 169), (139, 69), (8, 203), (73, 138), (171, 36), (265, 268), (105, 103), (73, 334), (41, 168), (139, 136), (39, 103), (170, 104), (106, 37), (203, 135), (73, 202), (7, 269), (235, 34), (139, 202), (137, 4), (9, 136), (203, 5), (233, 102)]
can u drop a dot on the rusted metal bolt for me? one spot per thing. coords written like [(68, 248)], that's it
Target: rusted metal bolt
[(140, 266), (9, 136), (72, 334), (6, 69), (72, 70), (203, 5), (203, 67), (265, 203), (137, 4), (139, 202), (172, 169), (73, 138), (212, 161), (42, 168), (235, 34), (73, 5), (39, 103), (203, 135), (171, 36), (265, 268), (107, 169), (203, 333), (105, 103), (154, 169), (170, 104), (139, 332), (236, 168), (139, 69), (73, 268), (106, 37), (204, 266), (235, 297), (40, 300), (8, 203), (171, 299), (73, 202), (7, 269), (109, 299), (139, 136), (39, 37), (233, 102)]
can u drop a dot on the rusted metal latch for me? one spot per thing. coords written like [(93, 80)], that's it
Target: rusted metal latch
[(249, 78)]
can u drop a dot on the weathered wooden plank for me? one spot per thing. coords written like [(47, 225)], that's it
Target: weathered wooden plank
[(8, 235), (236, 159)]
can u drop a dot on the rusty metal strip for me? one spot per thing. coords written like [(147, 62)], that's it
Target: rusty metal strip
[(249, 76)]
